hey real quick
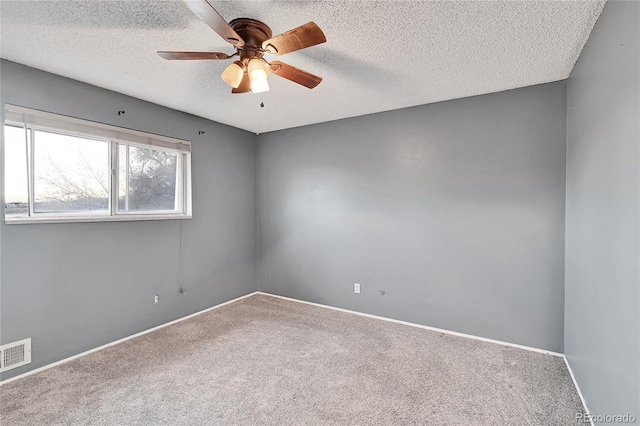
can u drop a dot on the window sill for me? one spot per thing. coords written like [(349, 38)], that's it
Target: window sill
[(88, 219)]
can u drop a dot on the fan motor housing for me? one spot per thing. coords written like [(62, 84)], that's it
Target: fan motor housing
[(253, 32)]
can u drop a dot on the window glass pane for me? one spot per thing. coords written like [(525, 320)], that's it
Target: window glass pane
[(122, 177), (152, 179), (15, 172), (71, 174)]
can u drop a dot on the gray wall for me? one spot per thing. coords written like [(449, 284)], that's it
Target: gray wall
[(72, 287), (602, 295), (455, 210)]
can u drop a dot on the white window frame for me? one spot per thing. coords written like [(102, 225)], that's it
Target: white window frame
[(32, 120)]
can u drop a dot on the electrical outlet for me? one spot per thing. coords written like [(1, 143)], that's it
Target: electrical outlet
[(156, 299), (356, 288)]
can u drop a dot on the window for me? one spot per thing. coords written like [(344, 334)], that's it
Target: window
[(65, 169)]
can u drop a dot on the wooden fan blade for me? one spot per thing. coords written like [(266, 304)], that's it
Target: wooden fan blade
[(294, 74), (208, 14), (245, 85), (306, 35), (176, 55)]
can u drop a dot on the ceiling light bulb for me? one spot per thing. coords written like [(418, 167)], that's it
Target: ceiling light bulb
[(258, 76), (233, 74)]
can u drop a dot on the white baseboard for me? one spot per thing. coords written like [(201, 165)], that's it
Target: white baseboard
[(575, 383), (46, 367), (426, 327)]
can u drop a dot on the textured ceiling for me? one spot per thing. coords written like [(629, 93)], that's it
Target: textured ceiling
[(378, 56)]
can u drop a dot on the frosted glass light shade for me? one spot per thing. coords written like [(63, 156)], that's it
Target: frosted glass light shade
[(258, 76), (233, 74)]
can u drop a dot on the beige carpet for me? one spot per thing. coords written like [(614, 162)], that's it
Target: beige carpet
[(268, 361)]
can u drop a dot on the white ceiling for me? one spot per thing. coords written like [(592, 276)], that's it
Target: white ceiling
[(379, 55)]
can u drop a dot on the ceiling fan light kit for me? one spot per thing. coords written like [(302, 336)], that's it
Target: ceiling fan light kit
[(252, 40)]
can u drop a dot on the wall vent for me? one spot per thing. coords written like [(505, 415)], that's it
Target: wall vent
[(15, 354)]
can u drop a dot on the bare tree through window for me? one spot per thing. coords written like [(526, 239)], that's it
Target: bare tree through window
[(70, 173), (151, 179)]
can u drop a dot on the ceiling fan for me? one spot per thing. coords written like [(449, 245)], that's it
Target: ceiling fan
[(252, 39)]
